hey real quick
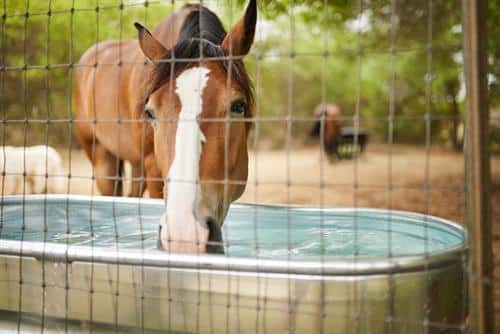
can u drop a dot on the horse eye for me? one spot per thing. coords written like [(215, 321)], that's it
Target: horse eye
[(149, 113), (238, 106)]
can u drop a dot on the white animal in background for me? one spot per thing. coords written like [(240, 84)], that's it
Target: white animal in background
[(39, 167)]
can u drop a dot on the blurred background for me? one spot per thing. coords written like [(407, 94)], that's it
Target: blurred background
[(373, 58)]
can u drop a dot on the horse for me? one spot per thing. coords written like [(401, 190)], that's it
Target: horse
[(337, 141), (182, 116), (332, 116), (31, 170)]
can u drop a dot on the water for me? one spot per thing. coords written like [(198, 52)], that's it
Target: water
[(249, 231)]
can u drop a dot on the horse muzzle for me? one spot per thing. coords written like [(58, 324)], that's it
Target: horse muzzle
[(215, 244), (190, 236)]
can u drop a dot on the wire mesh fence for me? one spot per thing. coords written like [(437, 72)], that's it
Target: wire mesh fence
[(312, 111)]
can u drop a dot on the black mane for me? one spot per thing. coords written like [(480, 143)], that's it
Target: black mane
[(204, 24), (199, 39)]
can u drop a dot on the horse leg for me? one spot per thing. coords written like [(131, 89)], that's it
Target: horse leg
[(108, 171), (153, 177), (137, 188)]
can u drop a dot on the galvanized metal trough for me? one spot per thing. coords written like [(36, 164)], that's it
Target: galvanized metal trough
[(74, 282)]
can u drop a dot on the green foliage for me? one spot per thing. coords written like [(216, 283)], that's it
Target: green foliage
[(371, 72), (493, 36), (39, 45), (402, 60)]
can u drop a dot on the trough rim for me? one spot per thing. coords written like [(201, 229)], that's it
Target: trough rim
[(152, 258)]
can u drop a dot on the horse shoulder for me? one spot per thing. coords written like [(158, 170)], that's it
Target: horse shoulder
[(98, 51), (104, 53)]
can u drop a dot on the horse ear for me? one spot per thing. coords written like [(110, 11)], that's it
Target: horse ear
[(150, 46), (239, 40)]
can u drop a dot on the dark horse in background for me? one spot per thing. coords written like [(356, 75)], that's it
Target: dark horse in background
[(337, 141), (181, 116)]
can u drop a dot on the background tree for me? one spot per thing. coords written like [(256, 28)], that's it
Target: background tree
[(370, 56)]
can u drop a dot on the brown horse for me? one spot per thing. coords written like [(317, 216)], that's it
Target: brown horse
[(182, 116), (330, 138)]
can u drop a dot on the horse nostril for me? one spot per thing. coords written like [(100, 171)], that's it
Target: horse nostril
[(214, 244)]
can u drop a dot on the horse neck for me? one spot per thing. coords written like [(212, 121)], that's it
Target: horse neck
[(168, 30)]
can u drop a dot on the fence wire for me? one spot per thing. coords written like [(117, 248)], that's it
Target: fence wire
[(303, 256)]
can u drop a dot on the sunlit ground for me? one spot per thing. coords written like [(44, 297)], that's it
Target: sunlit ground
[(383, 177)]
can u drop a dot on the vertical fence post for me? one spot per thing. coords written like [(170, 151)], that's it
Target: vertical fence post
[(478, 168)]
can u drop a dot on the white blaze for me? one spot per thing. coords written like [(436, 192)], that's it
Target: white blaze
[(183, 176)]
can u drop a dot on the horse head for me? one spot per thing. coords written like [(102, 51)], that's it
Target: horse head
[(198, 99)]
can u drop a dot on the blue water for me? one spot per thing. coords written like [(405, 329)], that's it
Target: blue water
[(249, 231)]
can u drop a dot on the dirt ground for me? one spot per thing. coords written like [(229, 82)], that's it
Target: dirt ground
[(398, 177), (401, 177)]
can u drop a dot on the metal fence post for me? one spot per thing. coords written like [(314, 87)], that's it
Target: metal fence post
[(478, 168)]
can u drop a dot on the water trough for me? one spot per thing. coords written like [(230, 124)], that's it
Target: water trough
[(91, 262)]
